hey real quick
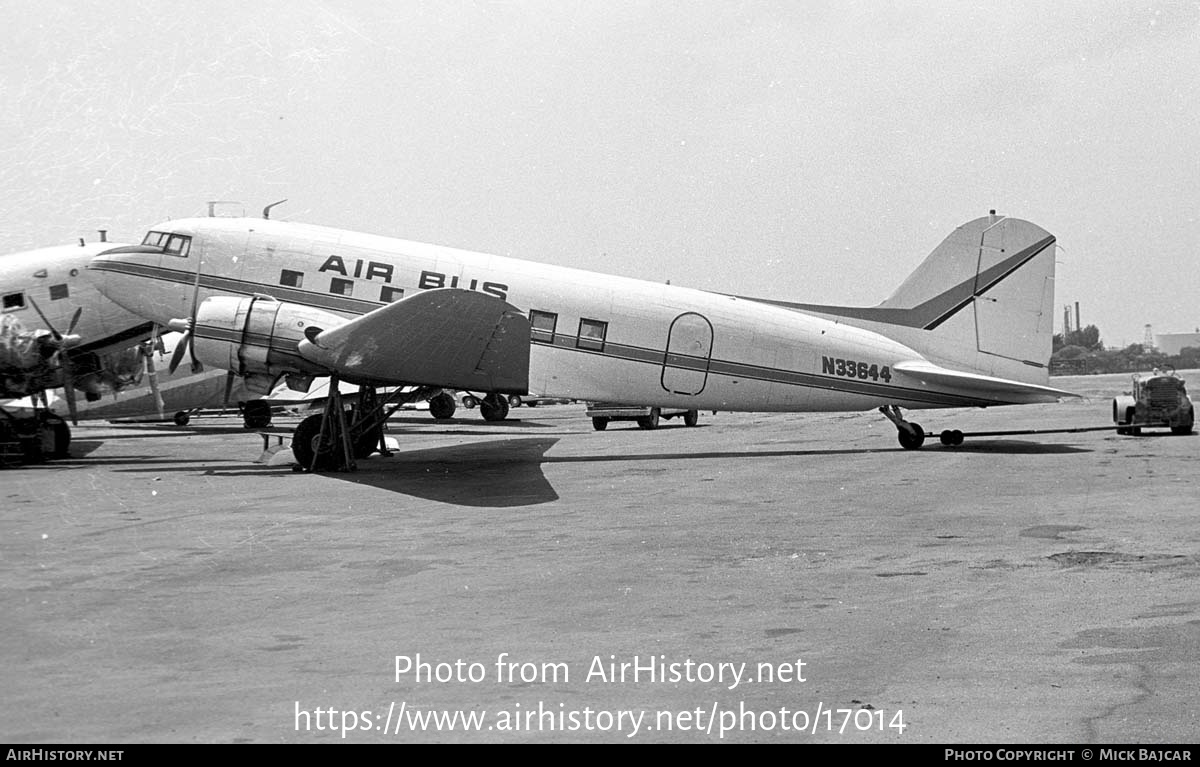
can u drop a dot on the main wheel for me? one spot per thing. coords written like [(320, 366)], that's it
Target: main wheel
[(441, 406), (367, 442), (494, 407), (649, 421), (256, 414), (691, 418), (599, 423), (910, 441), (306, 443)]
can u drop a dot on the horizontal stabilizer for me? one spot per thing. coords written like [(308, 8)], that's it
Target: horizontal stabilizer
[(1001, 389), (449, 337)]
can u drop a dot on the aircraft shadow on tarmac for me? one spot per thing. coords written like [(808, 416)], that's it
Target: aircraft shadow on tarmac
[(80, 448), (151, 430), (160, 463), (1012, 447), (982, 447), (510, 472), (478, 423), (507, 473), (490, 474)]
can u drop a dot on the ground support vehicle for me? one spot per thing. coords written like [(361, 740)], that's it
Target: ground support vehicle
[(602, 413), (1158, 399)]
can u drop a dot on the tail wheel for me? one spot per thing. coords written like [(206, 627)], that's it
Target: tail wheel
[(599, 424), (911, 439), (181, 418), (691, 418)]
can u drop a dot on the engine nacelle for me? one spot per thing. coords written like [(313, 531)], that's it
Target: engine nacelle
[(256, 337)]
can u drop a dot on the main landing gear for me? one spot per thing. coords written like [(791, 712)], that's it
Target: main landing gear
[(338, 437), (32, 439), (910, 433), (493, 407)]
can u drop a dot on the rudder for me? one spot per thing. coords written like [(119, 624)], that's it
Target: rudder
[(983, 300)]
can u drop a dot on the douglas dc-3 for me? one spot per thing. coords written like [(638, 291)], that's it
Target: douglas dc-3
[(57, 330), (264, 298)]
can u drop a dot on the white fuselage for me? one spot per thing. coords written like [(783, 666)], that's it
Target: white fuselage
[(55, 280), (595, 337)]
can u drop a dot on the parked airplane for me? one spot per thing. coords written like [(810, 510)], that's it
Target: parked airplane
[(150, 393), (57, 330), (970, 327)]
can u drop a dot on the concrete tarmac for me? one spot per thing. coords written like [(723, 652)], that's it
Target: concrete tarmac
[(757, 578)]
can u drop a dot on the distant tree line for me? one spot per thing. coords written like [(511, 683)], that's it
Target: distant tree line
[(1082, 352)]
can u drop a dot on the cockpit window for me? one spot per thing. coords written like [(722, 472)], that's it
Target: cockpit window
[(178, 245), (171, 244), (14, 301)]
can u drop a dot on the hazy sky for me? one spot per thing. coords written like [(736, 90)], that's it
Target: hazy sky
[(812, 151)]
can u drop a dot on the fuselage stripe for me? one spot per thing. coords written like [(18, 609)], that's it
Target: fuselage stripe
[(657, 357)]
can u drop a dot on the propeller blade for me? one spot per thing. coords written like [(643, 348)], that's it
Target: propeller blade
[(177, 354), (38, 309), (74, 320), (196, 366), (152, 369), (68, 376), (64, 359), (229, 386)]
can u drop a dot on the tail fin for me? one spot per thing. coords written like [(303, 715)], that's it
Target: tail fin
[(983, 301)]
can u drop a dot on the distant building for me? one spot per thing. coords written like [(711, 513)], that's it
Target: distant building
[(1173, 343)]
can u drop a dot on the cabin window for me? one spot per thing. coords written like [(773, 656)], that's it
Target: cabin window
[(389, 294), (542, 325), (59, 291), (592, 334), (341, 287), (14, 301), (291, 279)]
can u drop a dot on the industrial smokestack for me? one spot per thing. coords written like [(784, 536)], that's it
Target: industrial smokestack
[(1077, 325)]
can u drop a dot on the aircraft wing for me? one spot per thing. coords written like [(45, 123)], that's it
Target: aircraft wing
[(448, 337), (1001, 388)]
